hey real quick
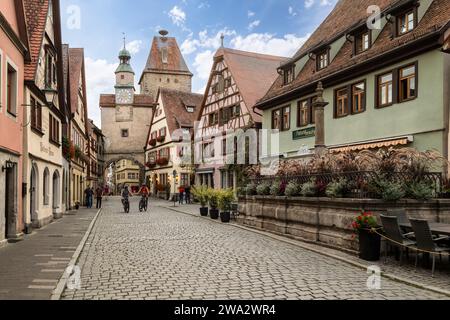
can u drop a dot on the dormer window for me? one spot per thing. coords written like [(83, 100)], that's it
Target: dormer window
[(190, 109), (288, 74), (362, 42), (323, 59), (406, 22)]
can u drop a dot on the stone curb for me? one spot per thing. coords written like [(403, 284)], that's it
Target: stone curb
[(298, 243), (56, 294)]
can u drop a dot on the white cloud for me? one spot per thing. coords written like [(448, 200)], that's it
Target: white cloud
[(203, 63), (203, 5), (250, 14), (134, 46), (253, 25), (266, 43), (205, 40), (322, 3), (99, 79), (292, 11), (178, 16), (309, 3)]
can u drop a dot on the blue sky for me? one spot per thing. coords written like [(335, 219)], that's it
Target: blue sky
[(276, 27)]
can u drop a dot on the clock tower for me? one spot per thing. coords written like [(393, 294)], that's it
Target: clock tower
[(124, 80)]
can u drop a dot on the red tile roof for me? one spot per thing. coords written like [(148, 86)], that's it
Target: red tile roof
[(175, 60), (36, 12), (175, 103), (347, 14), (76, 65), (254, 74)]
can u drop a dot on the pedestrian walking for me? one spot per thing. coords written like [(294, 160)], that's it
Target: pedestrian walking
[(99, 196), (181, 192), (187, 191), (89, 194)]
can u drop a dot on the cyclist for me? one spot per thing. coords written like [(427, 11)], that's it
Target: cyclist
[(144, 192), (125, 194)]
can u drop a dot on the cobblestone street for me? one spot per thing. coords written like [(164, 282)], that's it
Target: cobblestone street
[(163, 254)]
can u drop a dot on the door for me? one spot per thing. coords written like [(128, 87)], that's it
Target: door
[(33, 197), (7, 201)]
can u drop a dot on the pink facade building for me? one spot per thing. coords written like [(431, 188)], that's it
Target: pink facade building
[(13, 56)]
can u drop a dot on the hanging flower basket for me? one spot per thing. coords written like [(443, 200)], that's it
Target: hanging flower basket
[(152, 142), (161, 139)]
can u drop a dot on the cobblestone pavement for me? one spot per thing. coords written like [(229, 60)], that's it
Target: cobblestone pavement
[(30, 269), (163, 254), (405, 270)]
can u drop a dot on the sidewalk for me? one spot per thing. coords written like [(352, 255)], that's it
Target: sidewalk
[(392, 269), (31, 269)]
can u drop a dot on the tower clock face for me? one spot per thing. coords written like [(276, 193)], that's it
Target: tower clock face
[(124, 96)]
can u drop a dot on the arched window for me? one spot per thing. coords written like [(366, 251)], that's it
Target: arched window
[(46, 186)]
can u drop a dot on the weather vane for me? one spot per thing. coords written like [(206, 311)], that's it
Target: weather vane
[(124, 40)]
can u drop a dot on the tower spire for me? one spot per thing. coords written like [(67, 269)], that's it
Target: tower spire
[(124, 41), (222, 37)]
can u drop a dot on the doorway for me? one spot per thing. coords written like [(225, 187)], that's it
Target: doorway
[(33, 194), (10, 203)]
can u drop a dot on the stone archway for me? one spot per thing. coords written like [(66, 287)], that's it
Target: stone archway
[(136, 160)]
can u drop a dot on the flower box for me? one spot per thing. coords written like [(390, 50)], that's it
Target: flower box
[(152, 142), (161, 139), (151, 165)]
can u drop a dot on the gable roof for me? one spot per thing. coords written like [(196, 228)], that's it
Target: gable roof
[(175, 103), (36, 12), (175, 61), (253, 73), (176, 115), (76, 70), (346, 15)]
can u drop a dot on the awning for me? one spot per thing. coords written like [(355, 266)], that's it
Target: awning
[(205, 171), (372, 145)]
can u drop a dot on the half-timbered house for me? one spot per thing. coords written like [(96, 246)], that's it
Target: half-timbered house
[(237, 80)]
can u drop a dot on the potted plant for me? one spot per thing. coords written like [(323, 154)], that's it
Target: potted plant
[(366, 225), (225, 199), (213, 203), (201, 194)]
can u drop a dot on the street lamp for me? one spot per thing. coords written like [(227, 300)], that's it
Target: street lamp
[(8, 165)]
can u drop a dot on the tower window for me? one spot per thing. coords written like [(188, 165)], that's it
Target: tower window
[(164, 55), (122, 77), (125, 133)]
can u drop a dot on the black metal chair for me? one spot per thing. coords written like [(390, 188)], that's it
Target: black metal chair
[(393, 232), (234, 211), (400, 214), (426, 242)]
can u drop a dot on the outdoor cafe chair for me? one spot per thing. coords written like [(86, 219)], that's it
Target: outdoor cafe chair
[(393, 232), (425, 241)]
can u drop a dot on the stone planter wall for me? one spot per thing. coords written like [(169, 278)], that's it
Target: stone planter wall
[(327, 221)]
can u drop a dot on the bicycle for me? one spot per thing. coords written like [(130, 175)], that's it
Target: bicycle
[(143, 204)]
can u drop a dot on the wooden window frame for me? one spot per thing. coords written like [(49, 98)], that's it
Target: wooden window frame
[(326, 53), (283, 120), (288, 74), (378, 77), (336, 100), (362, 101), (300, 122), (416, 82), (273, 119), (403, 14), (359, 37), (12, 88)]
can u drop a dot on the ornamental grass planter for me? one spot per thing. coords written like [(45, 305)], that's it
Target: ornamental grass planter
[(214, 213), (225, 217), (204, 211), (369, 245)]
